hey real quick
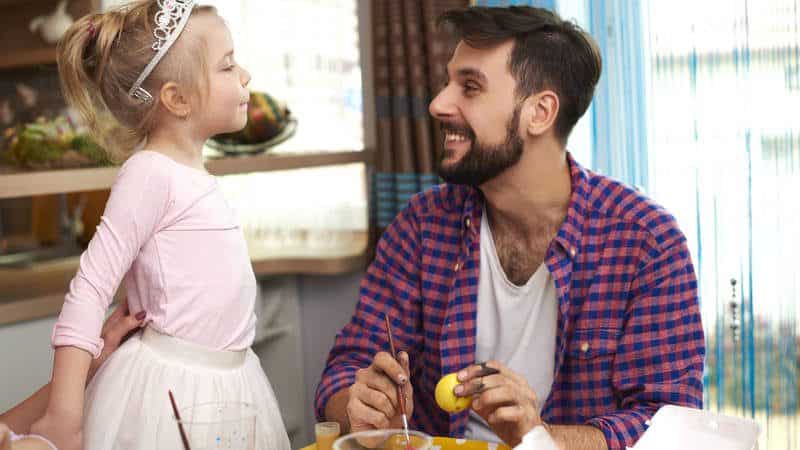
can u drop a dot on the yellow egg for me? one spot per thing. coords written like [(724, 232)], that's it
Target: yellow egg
[(446, 398)]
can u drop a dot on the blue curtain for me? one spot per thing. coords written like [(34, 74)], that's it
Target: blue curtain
[(391, 192), (619, 132)]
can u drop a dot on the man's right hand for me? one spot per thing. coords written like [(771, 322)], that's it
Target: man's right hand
[(372, 402), (117, 328)]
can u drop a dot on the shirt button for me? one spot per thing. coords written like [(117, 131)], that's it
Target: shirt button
[(585, 347), (572, 252), (456, 267), (467, 222)]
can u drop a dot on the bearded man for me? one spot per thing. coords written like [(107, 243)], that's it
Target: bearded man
[(564, 299)]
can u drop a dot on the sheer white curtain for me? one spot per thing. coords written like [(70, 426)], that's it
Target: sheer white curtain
[(724, 157)]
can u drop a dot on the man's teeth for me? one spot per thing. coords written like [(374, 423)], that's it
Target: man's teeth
[(455, 137)]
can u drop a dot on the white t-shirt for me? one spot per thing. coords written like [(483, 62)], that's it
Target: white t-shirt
[(516, 326)]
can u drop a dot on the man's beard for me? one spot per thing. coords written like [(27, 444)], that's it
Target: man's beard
[(482, 163)]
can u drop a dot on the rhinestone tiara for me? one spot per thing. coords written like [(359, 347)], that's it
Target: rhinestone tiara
[(170, 19)]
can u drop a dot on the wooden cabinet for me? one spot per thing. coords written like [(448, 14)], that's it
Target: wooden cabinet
[(21, 47)]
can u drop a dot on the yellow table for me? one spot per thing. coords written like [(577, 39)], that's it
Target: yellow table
[(446, 443)]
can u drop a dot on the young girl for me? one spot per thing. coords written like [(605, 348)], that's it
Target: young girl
[(161, 76)]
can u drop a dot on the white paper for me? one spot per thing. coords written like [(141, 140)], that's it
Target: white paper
[(675, 427)]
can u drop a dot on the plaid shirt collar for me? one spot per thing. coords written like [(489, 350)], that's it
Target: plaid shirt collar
[(569, 235)]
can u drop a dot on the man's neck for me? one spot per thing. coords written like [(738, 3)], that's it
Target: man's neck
[(533, 194)]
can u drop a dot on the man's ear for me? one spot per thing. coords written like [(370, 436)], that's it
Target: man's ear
[(544, 107), (175, 100)]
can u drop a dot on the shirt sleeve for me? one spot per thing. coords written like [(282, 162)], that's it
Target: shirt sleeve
[(135, 208), (390, 287), (661, 352)]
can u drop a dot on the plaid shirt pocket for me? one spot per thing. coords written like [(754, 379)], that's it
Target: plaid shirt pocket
[(591, 344), (588, 372)]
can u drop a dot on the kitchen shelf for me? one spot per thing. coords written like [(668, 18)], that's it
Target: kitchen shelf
[(38, 291), (27, 58), (26, 183)]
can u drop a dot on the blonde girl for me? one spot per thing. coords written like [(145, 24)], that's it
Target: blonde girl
[(154, 80)]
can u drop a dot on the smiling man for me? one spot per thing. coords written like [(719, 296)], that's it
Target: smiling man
[(576, 288)]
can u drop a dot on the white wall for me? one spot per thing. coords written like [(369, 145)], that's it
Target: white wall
[(25, 359)]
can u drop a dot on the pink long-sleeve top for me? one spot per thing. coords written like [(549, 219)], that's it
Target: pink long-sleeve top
[(169, 235)]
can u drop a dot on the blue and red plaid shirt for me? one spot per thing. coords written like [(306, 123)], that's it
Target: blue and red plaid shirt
[(629, 336)]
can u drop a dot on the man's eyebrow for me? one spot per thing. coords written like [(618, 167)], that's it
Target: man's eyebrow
[(472, 72)]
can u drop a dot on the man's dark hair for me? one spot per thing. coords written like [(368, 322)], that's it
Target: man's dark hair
[(549, 53)]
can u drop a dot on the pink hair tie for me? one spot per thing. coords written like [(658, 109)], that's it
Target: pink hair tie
[(92, 30)]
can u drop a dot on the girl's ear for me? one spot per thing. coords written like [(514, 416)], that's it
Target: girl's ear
[(175, 100)]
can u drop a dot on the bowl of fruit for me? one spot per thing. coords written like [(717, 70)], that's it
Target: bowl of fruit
[(269, 123), (50, 144)]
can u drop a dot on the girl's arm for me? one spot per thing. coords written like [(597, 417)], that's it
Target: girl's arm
[(62, 419)]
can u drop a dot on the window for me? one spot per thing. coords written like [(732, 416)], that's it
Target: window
[(724, 156), (305, 53)]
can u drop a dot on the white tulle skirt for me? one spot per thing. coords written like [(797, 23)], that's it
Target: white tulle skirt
[(127, 404)]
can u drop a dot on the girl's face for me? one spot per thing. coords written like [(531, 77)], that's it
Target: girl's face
[(223, 108)]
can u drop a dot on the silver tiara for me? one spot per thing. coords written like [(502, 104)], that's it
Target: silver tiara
[(171, 19)]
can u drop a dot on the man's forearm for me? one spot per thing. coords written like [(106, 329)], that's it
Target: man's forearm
[(578, 437), (336, 409), (21, 417)]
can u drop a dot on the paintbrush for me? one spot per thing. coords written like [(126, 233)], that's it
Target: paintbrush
[(400, 388), (180, 424)]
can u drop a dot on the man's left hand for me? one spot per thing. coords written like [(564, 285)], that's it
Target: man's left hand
[(503, 399)]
